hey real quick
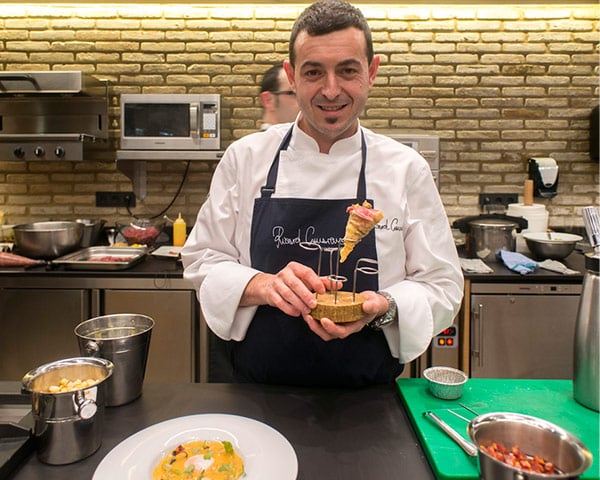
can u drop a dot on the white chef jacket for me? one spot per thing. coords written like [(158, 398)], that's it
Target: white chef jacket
[(417, 259)]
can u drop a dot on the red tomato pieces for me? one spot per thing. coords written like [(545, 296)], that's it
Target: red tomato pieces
[(515, 458)]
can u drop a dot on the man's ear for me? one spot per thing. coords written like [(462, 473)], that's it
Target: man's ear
[(289, 71), (267, 100)]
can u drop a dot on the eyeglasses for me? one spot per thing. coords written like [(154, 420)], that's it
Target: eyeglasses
[(284, 92)]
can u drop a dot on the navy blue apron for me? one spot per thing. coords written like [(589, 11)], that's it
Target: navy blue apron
[(282, 349)]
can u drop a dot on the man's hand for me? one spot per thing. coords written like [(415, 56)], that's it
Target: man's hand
[(291, 289), (374, 306)]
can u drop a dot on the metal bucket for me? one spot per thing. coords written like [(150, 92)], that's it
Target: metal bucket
[(124, 339), (68, 425)]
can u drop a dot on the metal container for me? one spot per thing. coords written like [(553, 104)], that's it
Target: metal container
[(534, 436), (47, 240), (445, 382), (91, 231), (486, 235), (124, 339), (586, 351), (67, 425), (553, 245)]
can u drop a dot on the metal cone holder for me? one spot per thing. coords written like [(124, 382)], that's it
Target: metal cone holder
[(363, 265)]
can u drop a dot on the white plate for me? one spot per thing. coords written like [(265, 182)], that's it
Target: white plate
[(266, 453), (167, 251)]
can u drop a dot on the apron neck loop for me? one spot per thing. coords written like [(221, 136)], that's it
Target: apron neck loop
[(269, 188)]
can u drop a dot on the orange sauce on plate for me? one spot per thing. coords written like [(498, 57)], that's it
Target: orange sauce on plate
[(200, 460)]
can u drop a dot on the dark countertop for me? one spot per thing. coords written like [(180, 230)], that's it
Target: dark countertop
[(358, 434), (153, 266)]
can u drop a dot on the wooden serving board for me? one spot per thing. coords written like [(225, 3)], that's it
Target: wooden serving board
[(551, 400)]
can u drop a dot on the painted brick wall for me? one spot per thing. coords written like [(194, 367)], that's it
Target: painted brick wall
[(498, 84)]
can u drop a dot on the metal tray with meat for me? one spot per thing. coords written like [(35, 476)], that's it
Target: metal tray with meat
[(102, 258)]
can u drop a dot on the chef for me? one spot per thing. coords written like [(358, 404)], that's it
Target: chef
[(277, 191)]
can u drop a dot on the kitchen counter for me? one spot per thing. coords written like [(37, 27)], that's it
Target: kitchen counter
[(501, 273), (358, 434)]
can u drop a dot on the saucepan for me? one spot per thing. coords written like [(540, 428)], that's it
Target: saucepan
[(530, 435)]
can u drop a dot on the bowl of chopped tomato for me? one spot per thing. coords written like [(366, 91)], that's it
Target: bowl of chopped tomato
[(512, 445), (141, 231)]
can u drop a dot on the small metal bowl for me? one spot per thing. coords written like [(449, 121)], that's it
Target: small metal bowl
[(445, 382), (553, 245)]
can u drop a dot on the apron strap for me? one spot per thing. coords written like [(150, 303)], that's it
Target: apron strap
[(269, 188)]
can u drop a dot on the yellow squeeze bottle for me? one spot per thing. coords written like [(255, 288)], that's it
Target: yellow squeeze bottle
[(179, 232)]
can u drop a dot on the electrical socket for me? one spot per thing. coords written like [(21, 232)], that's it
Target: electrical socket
[(498, 199), (115, 199)]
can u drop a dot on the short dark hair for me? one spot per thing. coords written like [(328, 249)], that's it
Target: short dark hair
[(327, 16), (270, 80)]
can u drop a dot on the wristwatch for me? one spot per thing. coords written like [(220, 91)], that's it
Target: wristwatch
[(388, 317)]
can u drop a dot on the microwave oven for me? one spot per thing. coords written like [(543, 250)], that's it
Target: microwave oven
[(170, 121)]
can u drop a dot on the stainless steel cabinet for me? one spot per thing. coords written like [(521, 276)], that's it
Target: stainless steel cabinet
[(523, 330), (37, 327), (174, 337)]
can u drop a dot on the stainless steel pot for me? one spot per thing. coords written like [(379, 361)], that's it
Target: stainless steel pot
[(91, 231), (47, 240), (67, 425), (486, 235), (534, 436)]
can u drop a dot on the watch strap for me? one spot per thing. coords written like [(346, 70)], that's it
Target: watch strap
[(388, 317)]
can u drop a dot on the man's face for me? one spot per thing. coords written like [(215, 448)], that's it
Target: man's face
[(286, 105), (332, 79)]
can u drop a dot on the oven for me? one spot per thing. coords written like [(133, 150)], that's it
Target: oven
[(52, 115)]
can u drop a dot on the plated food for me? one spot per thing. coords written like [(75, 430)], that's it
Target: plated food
[(266, 453), (202, 459), (361, 220)]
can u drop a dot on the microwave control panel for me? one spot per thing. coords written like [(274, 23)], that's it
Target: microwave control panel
[(210, 111)]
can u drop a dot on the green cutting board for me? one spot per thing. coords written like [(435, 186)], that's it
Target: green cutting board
[(551, 400)]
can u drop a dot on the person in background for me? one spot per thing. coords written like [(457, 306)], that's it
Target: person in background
[(277, 98), (292, 183)]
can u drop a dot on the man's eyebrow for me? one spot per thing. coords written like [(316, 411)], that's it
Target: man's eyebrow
[(343, 63)]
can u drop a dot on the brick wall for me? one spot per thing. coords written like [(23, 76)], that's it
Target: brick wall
[(498, 83)]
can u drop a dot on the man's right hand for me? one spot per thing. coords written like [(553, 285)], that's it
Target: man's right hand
[(291, 290)]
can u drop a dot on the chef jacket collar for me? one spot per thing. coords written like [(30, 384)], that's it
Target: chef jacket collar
[(301, 141)]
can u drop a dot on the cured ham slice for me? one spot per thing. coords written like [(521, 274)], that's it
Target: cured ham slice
[(361, 220)]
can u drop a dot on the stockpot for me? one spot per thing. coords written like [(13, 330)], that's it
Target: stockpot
[(67, 425), (487, 234)]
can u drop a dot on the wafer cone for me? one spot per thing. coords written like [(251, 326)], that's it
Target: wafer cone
[(358, 227)]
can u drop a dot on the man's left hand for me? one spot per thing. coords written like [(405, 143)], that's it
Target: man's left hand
[(374, 306)]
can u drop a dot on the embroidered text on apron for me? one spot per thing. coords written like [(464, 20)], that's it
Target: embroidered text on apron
[(282, 349)]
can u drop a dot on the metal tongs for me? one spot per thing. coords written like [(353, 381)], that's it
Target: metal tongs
[(591, 220)]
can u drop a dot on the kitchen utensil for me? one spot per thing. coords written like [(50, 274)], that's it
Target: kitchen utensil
[(91, 231), (535, 214), (124, 339), (445, 382), (586, 358), (141, 231), (47, 240), (487, 234), (68, 425), (553, 245), (467, 446), (534, 436)]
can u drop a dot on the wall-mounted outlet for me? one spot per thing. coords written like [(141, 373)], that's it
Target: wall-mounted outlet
[(115, 199), (505, 199)]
